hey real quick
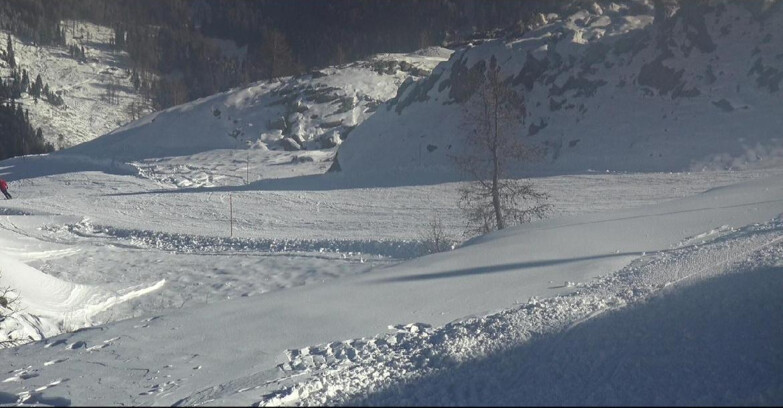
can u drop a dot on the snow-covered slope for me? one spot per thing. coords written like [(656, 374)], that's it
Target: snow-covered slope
[(284, 286), (295, 345), (314, 111), (610, 87), (46, 306), (87, 111)]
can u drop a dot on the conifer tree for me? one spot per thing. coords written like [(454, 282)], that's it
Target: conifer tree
[(37, 87), (9, 50), (25, 81)]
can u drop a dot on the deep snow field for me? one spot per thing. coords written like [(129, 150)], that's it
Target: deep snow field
[(205, 255), (294, 307)]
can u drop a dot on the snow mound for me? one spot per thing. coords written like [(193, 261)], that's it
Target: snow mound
[(46, 306)]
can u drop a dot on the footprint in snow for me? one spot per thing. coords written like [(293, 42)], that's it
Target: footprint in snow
[(51, 384), (160, 388), (77, 345), (56, 343), (146, 322), (98, 347), (48, 363), (24, 375)]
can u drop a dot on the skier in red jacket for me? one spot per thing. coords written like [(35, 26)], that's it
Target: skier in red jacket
[(4, 189)]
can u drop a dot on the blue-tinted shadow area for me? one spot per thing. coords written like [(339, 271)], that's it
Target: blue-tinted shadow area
[(716, 342), (456, 273)]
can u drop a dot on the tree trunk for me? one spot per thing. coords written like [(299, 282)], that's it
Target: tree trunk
[(495, 165), (496, 199)]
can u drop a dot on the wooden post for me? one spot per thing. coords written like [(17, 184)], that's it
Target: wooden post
[(231, 216)]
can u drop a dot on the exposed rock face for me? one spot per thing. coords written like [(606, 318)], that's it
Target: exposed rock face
[(290, 144), (332, 101)]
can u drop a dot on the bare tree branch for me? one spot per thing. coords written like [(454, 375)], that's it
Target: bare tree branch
[(493, 201)]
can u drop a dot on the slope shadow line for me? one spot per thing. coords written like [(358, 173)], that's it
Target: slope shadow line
[(660, 214), (525, 265), (499, 268)]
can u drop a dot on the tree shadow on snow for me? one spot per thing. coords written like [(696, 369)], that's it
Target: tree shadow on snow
[(455, 273), (314, 182), (715, 342)]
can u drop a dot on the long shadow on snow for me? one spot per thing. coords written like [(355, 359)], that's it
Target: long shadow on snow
[(694, 210), (341, 181), (533, 264), (715, 342), (52, 164), (315, 182), (499, 268)]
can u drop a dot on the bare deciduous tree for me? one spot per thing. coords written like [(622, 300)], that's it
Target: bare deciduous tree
[(8, 307), (7, 301), (434, 237), (494, 201)]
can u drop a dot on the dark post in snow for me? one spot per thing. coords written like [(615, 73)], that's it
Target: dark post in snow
[(247, 163)]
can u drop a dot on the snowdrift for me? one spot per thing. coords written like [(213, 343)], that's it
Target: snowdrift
[(46, 306)]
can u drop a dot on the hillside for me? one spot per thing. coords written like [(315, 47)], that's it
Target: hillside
[(97, 91), (614, 87), (271, 245), (308, 116), (673, 302)]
